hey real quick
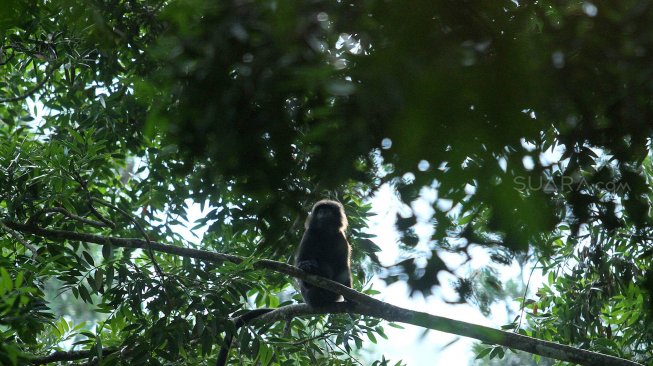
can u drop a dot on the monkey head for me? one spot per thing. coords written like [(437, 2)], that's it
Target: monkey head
[(327, 214)]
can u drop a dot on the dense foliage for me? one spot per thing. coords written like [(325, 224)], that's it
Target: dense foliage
[(530, 120)]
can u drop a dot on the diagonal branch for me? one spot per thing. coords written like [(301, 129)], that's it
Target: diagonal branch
[(19, 238), (30, 92), (363, 304)]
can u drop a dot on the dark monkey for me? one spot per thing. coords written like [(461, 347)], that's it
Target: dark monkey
[(324, 251)]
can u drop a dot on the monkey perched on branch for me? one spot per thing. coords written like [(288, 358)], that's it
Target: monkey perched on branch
[(324, 251)]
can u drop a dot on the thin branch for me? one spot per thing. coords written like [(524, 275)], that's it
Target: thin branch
[(82, 183), (287, 328), (99, 216), (31, 91), (68, 214), (359, 303), (16, 235), (523, 300), (321, 336)]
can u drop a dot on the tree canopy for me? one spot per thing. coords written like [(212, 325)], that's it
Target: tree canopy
[(529, 123)]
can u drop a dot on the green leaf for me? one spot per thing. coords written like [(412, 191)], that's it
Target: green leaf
[(84, 294), (484, 352), (371, 336), (6, 284), (89, 258), (99, 279)]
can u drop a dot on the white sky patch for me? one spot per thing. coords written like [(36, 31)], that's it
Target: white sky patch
[(348, 43), (552, 155), (503, 164), (194, 213), (528, 162), (529, 146)]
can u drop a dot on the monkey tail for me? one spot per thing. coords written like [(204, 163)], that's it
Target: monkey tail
[(238, 322)]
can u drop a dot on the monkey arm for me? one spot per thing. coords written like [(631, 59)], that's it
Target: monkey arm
[(309, 266), (344, 277), (313, 266), (307, 249)]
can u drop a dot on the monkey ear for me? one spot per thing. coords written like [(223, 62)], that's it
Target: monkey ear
[(308, 221), (345, 222)]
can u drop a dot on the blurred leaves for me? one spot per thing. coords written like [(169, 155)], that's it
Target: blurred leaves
[(528, 123)]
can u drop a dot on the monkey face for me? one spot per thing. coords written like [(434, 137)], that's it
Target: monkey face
[(328, 214)]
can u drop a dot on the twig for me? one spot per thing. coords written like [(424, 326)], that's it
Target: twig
[(353, 358), (66, 213), (310, 339), (31, 91), (287, 328), (16, 235), (523, 300), (100, 217), (82, 183)]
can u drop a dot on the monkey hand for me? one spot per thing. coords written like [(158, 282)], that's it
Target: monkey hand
[(310, 266)]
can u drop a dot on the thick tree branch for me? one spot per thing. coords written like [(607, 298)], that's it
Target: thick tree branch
[(364, 305)]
